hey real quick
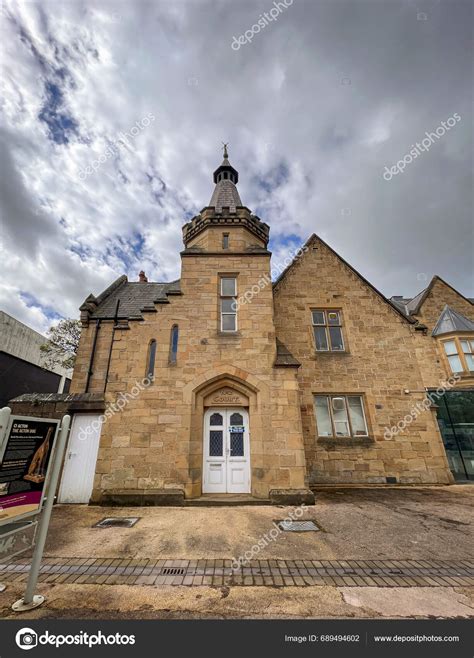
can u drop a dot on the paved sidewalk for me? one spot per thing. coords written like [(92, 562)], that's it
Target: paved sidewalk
[(271, 573), (430, 523), (379, 552)]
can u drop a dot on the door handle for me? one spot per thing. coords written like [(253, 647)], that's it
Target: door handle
[(71, 454)]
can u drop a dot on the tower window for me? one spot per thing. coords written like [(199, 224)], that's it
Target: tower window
[(228, 294), (150, 369), (174, 344), (225, 175), (225, 241)]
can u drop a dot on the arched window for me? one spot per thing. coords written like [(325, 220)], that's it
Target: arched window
[(150, 362), (236, 419), (174, 344), (216, 419)]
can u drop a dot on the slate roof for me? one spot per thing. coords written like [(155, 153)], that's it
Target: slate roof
[(135, 297), (225, 194), (412, 306), (73, 402), (400, 302), (451, 320), (44, 398)]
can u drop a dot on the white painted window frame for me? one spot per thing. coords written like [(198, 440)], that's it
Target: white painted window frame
[(234, 298)]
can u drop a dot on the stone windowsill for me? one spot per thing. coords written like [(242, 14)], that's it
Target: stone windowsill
[(343, 442), (465, 376)]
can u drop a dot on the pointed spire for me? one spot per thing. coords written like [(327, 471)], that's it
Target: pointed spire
[(225, 193), (235, 215)]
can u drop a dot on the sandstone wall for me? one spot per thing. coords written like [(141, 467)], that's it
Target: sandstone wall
[(379, 363)]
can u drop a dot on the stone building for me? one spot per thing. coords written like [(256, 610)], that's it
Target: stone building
[(224, 383), (446, 347)]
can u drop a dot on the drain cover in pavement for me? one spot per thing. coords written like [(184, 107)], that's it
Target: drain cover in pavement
[(297, 526), (173, 571), (117, 522)]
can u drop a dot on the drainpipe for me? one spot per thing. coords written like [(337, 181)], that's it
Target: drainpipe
[(106, 380), (89, 372)]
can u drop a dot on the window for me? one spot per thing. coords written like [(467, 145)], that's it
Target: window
[(460, 354), (150, 369), (174, 344), (216, 437), (468, 352), (340, 416), (228, 304), (327, 328), (216, 419), (216, 443), (225, 241), (236, 419)]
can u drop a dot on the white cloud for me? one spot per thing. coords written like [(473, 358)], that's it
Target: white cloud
[(313, 108)]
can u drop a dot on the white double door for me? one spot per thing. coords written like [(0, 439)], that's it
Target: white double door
[(226, 453)]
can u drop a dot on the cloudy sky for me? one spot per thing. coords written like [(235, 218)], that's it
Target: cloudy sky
[(315, 105)]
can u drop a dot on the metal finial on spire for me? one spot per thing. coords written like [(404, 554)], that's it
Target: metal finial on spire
[(225, 145)]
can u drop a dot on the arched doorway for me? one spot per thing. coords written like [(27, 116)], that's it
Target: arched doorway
[(237, 391), (226, 451)]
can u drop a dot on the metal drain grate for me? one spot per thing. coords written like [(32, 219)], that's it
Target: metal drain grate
[(297, 526), (173, 571), (117, 522)]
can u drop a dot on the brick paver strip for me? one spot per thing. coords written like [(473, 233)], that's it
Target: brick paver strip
[(270, 573)]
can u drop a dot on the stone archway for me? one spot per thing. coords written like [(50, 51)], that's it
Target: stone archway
[(226, 389)]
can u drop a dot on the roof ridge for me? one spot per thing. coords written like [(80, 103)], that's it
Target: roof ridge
[(113, 286), (313, 237), (423, 294)]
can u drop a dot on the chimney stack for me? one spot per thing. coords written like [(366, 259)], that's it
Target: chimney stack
[(142, 278)]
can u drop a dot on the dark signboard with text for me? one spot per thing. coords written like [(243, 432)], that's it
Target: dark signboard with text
[(24, 465)]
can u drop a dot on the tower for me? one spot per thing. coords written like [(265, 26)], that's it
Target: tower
[(225, 225)]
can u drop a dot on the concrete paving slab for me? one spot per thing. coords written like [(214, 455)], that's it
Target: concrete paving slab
[(422, 523), (412, 602)]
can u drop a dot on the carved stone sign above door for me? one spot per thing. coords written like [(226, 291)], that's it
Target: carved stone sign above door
[(226, 397)]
